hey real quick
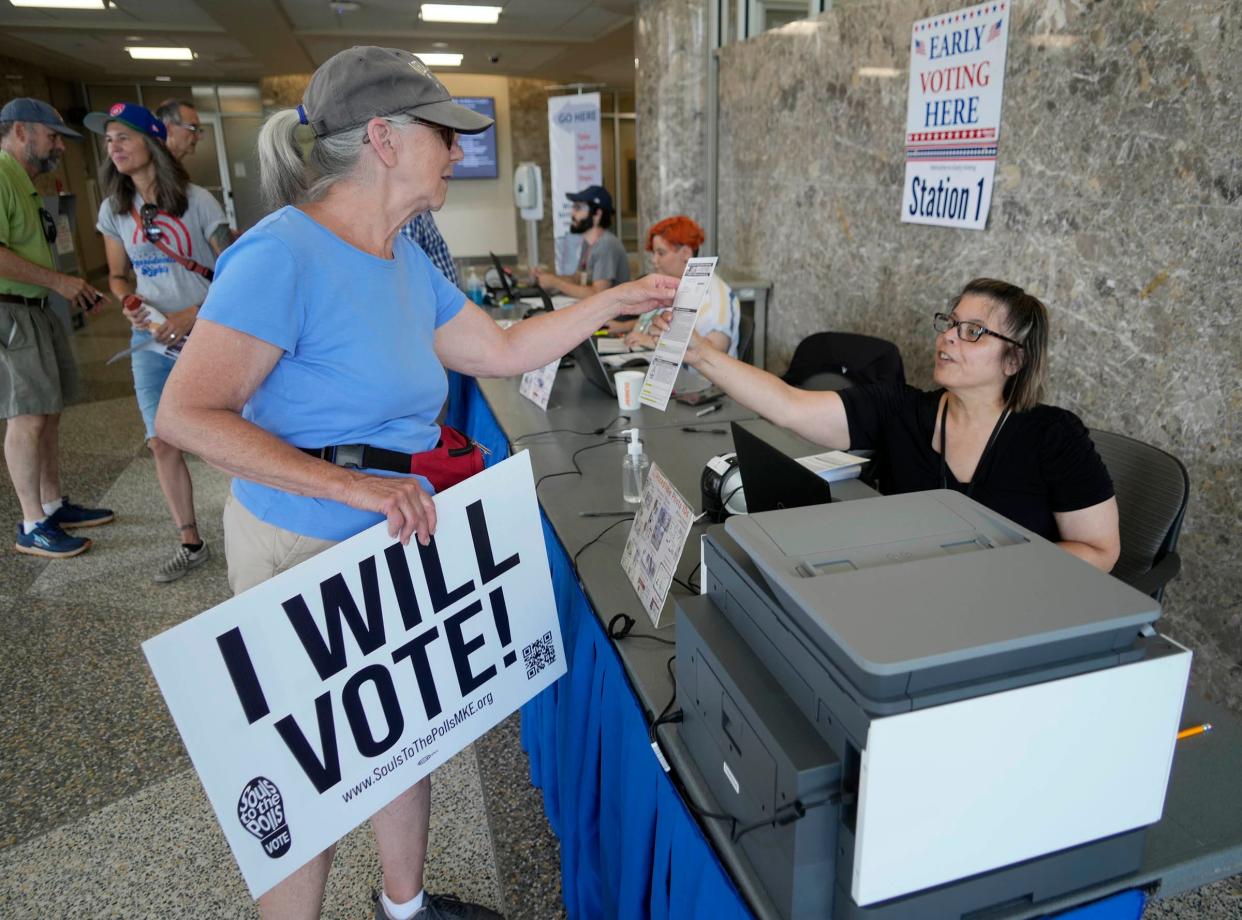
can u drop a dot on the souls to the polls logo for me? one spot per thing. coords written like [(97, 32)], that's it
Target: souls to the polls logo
[(261, 811)]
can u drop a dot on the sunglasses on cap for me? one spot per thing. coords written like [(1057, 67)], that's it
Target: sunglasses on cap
[(49, 225), (150, 229)]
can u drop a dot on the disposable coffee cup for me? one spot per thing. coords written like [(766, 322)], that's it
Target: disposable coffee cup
[(629, 389)]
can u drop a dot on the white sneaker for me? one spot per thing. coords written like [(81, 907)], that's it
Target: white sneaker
[(181, 562)]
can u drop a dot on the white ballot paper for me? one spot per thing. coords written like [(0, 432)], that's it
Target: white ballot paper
[(666, 361), (311, 701), (834, 465), (537, 384), (655, 542)]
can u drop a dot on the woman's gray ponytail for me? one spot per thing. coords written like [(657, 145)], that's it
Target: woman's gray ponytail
[(282, 172), (286, 178)]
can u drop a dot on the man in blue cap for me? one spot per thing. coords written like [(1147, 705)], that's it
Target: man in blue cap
[(603, 262), (37, 369)]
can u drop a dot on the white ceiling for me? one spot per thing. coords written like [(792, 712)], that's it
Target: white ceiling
[(563, 40)]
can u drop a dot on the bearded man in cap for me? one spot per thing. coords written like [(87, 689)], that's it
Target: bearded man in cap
[(603, 261)]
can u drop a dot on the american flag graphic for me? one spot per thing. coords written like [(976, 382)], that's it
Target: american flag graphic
[(920, 48), (995, 31)]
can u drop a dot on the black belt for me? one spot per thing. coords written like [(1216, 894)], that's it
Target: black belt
[(362, 456), (23, 301)]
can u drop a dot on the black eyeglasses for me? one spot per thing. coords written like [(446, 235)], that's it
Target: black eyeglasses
[(970, 330), (150, 229), (49, 225), (446, 133)]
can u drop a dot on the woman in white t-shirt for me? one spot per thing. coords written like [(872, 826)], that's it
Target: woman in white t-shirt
[(166, 233), (672, 243)]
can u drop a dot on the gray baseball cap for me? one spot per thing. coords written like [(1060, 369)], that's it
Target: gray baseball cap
[(365, 82), (38, 112)]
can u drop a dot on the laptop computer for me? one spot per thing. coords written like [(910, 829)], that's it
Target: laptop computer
[(514, 293), (772, 479), (593, 369)]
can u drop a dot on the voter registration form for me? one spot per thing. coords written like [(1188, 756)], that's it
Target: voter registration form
[(671, 349)]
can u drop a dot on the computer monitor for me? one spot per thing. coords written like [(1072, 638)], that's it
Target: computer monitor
[(772, 479)]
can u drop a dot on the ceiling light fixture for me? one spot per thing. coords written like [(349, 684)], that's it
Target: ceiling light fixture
[(456, 12), (440, 58), (61, 4), (163, 79), (141, 53)]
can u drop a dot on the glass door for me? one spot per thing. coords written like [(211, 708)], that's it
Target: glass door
[(208, 165)]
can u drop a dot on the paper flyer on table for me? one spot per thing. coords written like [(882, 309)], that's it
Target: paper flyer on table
[(671, 348), (537, 384), (654, 546)]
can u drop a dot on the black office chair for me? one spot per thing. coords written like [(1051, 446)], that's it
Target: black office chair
[(1152, 491), (745, 338), (836, 360)]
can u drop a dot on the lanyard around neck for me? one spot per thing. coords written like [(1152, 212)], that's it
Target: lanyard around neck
[(987, 449)]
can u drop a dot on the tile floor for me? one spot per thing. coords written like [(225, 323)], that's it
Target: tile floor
[(100, 813)]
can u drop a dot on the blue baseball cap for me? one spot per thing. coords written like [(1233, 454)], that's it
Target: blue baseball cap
[(138, 117), (38, 112), (595, 195)]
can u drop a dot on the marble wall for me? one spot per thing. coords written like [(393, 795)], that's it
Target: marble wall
[(671, 38), (1118, 201), (528, 126)]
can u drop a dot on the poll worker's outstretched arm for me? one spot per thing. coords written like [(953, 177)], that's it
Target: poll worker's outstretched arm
[(472, 343), (636, 339), (1092, 534), (200, 411), (818, 416)]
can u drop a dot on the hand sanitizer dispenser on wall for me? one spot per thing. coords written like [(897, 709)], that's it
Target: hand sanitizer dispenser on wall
[(528, 196), (528, 190)]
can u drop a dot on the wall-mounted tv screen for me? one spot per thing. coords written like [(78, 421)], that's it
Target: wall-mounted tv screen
[(480, 149)]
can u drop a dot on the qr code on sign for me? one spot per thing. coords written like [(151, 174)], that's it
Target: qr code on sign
[(539, 654)]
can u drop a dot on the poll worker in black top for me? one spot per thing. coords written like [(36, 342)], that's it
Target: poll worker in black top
[(983, 432)]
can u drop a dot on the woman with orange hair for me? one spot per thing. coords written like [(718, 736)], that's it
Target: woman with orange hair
[(672, 243)]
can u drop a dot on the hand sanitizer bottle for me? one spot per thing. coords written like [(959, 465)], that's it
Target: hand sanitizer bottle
[(474, 287), (634, 469)]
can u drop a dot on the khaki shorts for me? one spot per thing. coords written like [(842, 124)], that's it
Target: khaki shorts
[(38, 373), (256, 551)]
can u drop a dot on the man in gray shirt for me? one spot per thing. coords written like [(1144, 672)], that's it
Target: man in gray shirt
[(603, 262)]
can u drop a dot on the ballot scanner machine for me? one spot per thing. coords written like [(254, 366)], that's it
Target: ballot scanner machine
[(909, 706)]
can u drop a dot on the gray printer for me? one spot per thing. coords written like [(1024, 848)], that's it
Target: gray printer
[(912, 707)]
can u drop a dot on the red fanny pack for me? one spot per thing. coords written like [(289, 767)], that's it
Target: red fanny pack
[(453, 460)]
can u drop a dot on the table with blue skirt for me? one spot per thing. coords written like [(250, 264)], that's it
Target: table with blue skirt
[(631, 845)]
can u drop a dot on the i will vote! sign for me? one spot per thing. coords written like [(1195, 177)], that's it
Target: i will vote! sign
[(311, 701)]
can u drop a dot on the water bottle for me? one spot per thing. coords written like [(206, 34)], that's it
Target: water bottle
[(474, 287)]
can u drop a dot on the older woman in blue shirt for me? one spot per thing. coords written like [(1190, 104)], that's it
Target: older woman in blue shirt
[(326, 326)]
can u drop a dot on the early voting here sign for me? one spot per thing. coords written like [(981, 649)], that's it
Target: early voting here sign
[(953, 112), (312, 700)]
